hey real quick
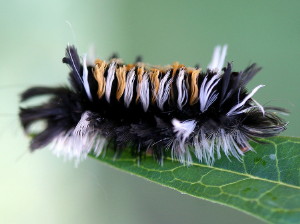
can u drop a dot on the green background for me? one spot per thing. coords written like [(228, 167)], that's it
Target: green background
[(40, 188)]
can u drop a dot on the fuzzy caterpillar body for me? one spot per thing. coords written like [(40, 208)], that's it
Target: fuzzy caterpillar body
[(152, 108)]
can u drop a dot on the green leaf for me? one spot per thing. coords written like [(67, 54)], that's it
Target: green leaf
[(266, 184)]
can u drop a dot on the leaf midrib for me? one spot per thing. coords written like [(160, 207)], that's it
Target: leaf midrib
[(240, 174)]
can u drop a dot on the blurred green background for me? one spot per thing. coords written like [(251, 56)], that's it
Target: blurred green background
[(40, 188)]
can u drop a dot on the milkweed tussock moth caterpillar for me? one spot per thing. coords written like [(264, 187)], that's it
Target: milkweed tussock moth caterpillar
[(151, 108)]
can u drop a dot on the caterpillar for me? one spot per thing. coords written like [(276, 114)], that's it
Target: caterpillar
[(110, 105)]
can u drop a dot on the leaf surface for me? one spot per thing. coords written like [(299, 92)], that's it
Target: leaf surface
[(266, 184)]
